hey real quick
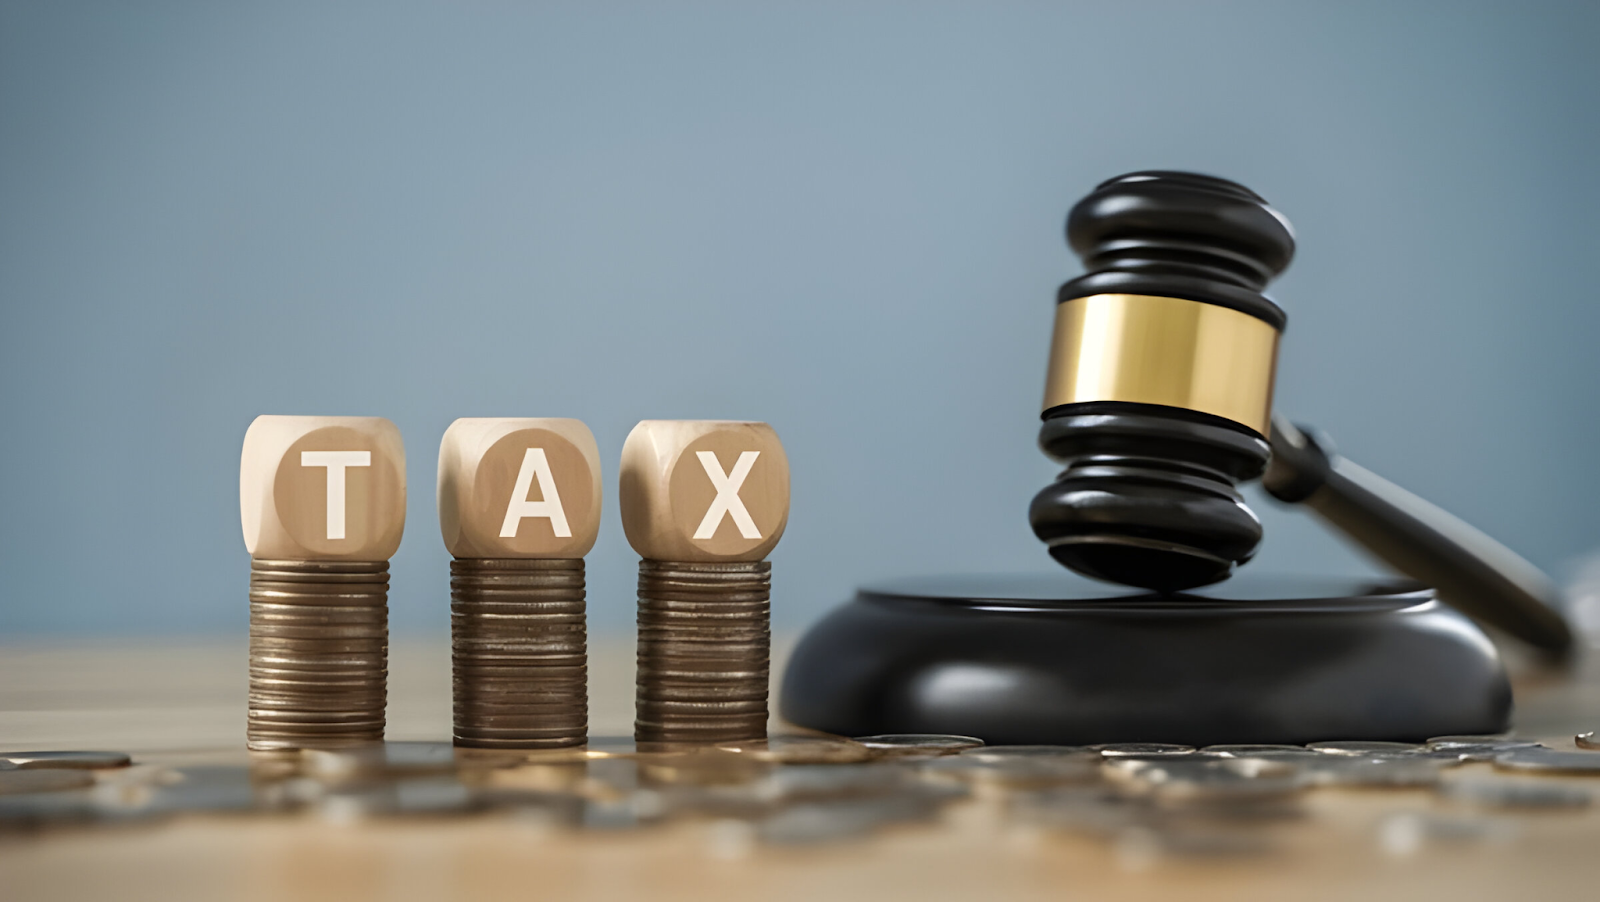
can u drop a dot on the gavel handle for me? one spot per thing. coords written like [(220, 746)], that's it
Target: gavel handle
[(1473, 573)]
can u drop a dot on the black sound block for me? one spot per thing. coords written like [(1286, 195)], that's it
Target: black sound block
[(1057, 659)]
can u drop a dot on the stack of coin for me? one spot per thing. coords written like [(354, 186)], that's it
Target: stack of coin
[(319, 650), (703, 503), (519, 652), (704, 639)]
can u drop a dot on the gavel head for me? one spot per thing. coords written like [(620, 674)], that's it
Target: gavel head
[(1159, 390)]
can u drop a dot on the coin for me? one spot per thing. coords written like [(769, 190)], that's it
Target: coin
[(497, 666), (1543, 760), (324, 709), (64, 760), (318, 653), (1477, 741), (1006, 752), (1586, 741), (801, 750), (820, 781), (288, 741), (704, 731), (703, 651), (518, 742), (1019, 771), (1365, 747), (360, 760), (1192, 778), (1373, 772), (519, 653), (919, 743), (1475, 748), (1258, 751), (1141, 749)]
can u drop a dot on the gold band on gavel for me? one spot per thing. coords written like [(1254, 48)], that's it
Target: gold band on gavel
[(1169, 351)]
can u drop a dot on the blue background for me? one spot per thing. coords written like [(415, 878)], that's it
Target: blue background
[(844, 219)]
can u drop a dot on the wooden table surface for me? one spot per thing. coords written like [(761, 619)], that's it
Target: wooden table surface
[(172, 703)]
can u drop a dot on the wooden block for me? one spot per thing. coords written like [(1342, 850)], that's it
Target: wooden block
[(322, 488), (519, 488), (704, 490)]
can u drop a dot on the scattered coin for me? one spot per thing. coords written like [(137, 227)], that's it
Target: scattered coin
[(821, 781), (19, 782), (798, 789), (611, 747), (1258, 751), (1496, 739), (218, 788), (1461, 749), (1141, 749), (1548, 761), (1392, 772), (919, 743), (704, 766), (65, 760), (1365, 748), (1219, 780), (1008, 752), (1128, 766), (802, 750), (1019, 771), (1586, 741)]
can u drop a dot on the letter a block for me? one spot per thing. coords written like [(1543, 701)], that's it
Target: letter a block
[(519, 488), (704, 490), (322, 488)]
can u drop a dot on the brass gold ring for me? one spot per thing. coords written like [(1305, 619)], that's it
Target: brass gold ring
[(1159, 350)]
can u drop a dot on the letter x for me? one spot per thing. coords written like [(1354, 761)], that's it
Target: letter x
[(727, 500)]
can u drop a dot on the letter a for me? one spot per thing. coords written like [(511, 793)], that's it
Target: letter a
[(335, 461), (727, 501), (534, 464)]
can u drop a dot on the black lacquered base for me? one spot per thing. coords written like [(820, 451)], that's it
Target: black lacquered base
[(1061, 660)]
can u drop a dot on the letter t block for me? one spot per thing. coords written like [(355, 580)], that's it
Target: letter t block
[(322, 488)]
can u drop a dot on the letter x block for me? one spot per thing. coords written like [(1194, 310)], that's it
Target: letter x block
[(704, 490), (322, 488), (519, 488)]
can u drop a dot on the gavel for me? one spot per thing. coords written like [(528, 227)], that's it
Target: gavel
[(1158, 403)]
